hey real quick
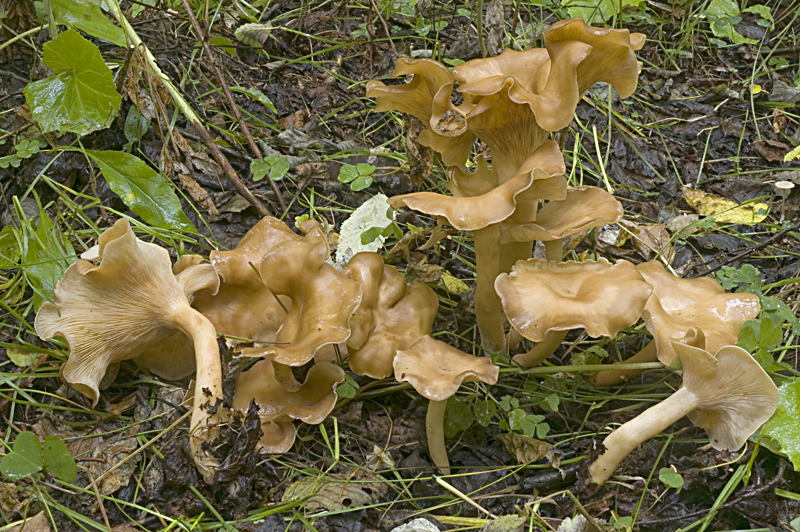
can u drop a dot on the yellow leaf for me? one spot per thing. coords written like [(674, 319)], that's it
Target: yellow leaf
[(725, 210), (453, 284)]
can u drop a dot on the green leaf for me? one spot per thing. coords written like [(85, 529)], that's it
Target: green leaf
[(370, 235), (81, 97), (361, 182), (770, 335), (550, 403), (46, 259), (257, 95), (723, 15), (371, 215), (365, 169), (89, 18), (484, 411), (457, 417), (784, 425), (259, 169), (507, 403), (224, 43), (542, 429), (670, 478), (9, 249), (143, 190), (57, 459), (347, 173), (136, 125), (25, 459), (278, 167), (748, 336), (345, 390)]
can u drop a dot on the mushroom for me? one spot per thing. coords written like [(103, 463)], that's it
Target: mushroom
[(391, 317), (243, 307), (540, 297), (323, 300), (678, 304), (436, 370), (281, 399), (132, 305), (511, 102), (727, 394)]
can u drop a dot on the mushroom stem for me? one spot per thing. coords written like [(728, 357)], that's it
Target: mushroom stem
[(610, 377), (208, 386), (646, 425), (434, 427), (513, 252), (541, 351), (488, 308), (554, 249)]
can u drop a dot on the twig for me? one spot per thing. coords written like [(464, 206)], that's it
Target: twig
[(481, 41), (385, 26), (744, 254), (184, 107), (99, 499), (229, 96)]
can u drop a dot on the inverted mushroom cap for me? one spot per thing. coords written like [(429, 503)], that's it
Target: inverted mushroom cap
[(735, 395), (366, 268), (119, 310), (323, 300), (402, 316), (540, 296), (678, 304), (436, 369), (280, 399), (583, 208)]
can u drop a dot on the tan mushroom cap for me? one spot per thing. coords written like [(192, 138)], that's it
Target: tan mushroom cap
[(583, 208), (436, 369), (735, 395), (280, 399), (677, 304), (367, 269), (402, 316), (541, 296), (323, 300), (118, 311), (479, 200)]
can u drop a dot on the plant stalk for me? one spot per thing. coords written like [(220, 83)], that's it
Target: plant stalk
[(613, 376)]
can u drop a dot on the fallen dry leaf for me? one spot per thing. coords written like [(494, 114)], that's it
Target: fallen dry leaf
[(725, 210)]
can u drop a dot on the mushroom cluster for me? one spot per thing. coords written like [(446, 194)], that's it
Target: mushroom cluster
[(511, 102)]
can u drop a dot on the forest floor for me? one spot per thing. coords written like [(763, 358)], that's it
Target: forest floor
[(708, 115)]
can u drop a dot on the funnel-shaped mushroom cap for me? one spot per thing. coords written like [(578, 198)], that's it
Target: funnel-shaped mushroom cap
[(735, 396), (365, 268), (583, 209), (677, 304), (436, 370), (243, 306), (402, 316), (323, 300), (540, 296), (479, 199), (119, 310), (280, 399)]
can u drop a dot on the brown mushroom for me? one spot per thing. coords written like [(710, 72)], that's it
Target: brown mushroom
[(436, 370), (678, 304), (281, 399), (132, 305), (540, 296), (727, 394)]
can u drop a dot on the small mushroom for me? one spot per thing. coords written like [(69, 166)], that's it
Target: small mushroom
[(541, 296), (130, 306), (436, 370), (393, 318), (678, 304), (727, 394), (281, 399)]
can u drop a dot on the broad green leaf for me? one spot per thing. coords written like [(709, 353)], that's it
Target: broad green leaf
[(769, 335), (784, 425), (25, 459), (22, 358), (361, 182), (723, 15), (484, 411), (57, 459), (142, 189), (365, 169), (136, 125), (372, 213), (46, 260), (748, 336), (257, 95), (670, 478), (278, 166), (259, 169), (80, 97), (89, 18), (457, 417)]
